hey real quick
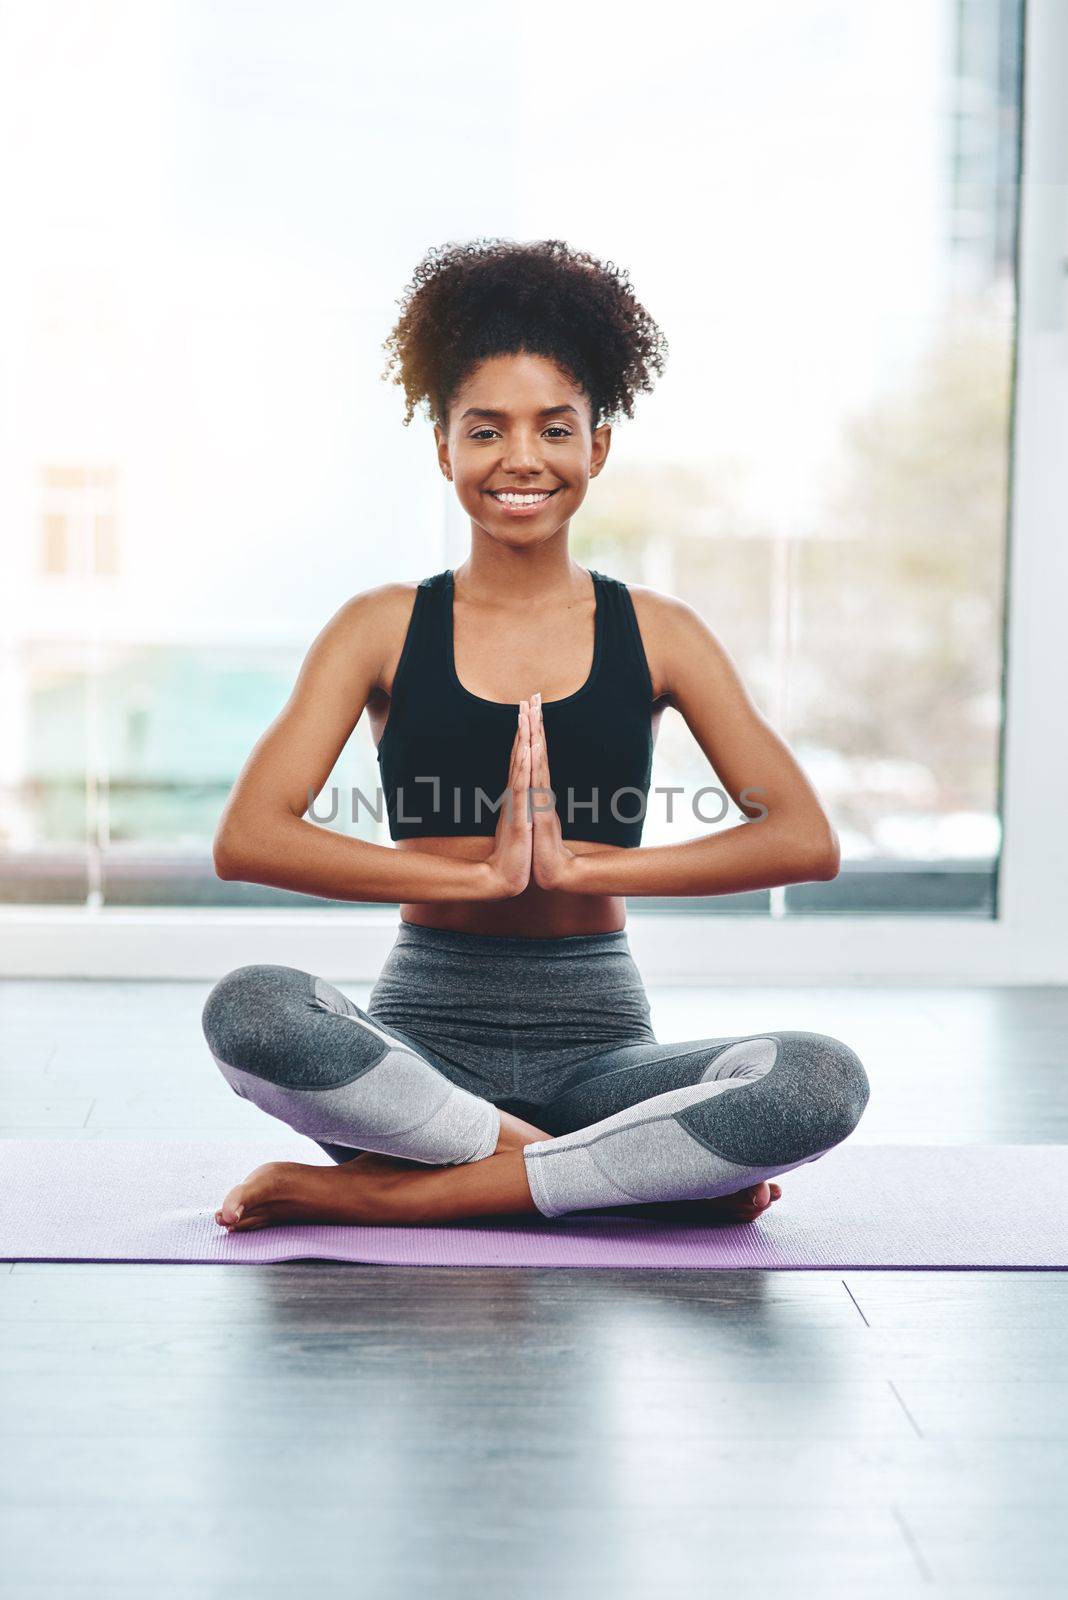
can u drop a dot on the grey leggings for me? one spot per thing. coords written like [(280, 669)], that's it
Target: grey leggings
[(461, 1026)]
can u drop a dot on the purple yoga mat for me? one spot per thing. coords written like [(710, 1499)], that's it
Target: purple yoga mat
[(858, 1206)]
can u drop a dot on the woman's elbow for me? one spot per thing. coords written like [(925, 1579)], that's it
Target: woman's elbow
[(228, 858), (816, 853), (249, 844), (829, 860), (220, 860)]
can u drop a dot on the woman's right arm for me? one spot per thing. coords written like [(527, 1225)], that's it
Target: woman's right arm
[(263, 835)]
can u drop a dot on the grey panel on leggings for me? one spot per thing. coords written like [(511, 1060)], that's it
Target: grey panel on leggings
[(659, 1149), (640, 1154), (304, 1052), (811, 1098), (399, 1107)]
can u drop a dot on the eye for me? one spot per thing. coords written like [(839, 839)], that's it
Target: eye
[(556, 427)]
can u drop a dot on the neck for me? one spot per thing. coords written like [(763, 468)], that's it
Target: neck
[(520, 576)]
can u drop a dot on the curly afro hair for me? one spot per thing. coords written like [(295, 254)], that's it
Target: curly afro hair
[(468, 302)]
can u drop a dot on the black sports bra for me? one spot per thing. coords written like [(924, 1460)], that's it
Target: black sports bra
[(444, 753)]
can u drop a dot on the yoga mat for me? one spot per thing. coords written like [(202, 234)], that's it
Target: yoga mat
[(858, 1206)]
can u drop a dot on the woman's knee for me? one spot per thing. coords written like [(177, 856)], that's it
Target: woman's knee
[(810, 1099), (244, 1015), (840, 1088)]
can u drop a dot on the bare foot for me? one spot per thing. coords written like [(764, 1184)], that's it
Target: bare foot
[(363, 1190), (369, 1188), (745, 1206)]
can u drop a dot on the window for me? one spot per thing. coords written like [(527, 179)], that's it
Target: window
[(78, 522), (818, 203)]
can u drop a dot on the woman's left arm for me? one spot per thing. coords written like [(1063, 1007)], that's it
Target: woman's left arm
[(794, 842)]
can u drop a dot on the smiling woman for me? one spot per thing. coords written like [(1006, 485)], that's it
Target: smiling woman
[(507, 1045)]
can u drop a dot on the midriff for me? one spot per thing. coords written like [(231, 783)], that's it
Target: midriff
[(535, 914)]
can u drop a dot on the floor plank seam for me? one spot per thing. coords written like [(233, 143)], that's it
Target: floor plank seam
[(926, 1575), (905, 1409), (855, 1301)]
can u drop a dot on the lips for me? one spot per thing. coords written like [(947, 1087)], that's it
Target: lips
[(546, 492)]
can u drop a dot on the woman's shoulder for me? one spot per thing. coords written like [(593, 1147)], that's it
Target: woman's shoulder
[(380, 605), (373, 624), (659, 610), (670, 628)]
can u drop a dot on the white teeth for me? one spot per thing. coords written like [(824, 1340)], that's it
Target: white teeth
[(521, 499)]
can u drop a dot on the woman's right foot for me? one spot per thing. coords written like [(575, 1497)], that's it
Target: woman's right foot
[(745, 1206)]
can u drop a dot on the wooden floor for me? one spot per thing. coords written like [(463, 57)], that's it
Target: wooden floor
[(204, 1431)]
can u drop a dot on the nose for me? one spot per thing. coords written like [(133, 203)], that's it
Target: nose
[(522, 456)]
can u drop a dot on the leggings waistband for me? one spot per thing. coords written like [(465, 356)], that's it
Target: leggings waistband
[(488, 944)]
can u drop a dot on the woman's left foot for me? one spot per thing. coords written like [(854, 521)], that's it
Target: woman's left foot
[(366, 1189)]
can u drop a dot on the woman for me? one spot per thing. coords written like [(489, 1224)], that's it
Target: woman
[(506, 1062)]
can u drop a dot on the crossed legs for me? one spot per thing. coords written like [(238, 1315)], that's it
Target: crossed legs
[(705, 1120)]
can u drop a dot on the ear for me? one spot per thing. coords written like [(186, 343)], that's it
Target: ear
[(602, 443), (442, 446)]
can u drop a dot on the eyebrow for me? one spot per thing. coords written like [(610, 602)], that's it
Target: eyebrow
[(547, 411)]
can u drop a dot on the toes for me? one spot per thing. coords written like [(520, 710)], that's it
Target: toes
[(247, 1224), (756, 1200)]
